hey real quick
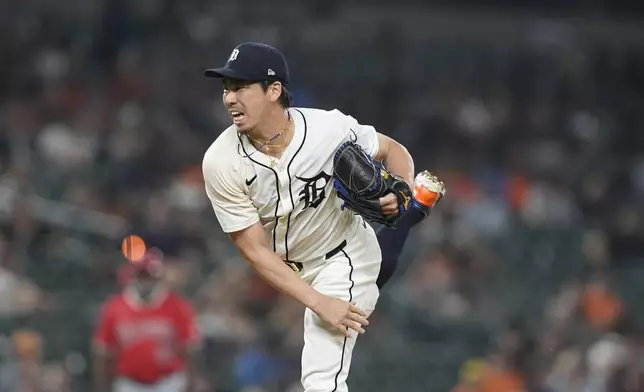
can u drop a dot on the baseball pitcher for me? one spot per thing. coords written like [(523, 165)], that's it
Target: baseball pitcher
[(293, 186)]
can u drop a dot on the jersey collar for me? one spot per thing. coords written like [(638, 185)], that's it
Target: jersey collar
[(273, 162)]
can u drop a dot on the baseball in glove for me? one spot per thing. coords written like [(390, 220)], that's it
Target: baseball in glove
[(360, 182)]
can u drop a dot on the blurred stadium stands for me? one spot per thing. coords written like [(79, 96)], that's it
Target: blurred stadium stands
[(533, 115)]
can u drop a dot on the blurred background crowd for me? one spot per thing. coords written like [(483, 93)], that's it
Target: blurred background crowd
[(527, 277)]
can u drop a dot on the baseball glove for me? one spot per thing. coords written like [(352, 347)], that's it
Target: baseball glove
[(360, 182)]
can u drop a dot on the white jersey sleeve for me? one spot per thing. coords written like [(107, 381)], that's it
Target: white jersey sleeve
[(231, 203), (365, 135)]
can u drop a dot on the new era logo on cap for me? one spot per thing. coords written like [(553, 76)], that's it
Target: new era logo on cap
[(253, 61)]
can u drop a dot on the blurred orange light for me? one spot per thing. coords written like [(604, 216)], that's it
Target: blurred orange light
[(133, 248)]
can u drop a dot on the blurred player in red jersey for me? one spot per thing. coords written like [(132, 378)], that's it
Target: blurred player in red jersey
[(146, 339)]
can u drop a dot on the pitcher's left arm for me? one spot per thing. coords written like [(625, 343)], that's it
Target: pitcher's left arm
[(396, 158)]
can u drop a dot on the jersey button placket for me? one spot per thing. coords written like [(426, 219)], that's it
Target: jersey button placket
[(281, 222)]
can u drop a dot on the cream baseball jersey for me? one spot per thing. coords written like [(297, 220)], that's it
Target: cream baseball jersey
[(293, 196)]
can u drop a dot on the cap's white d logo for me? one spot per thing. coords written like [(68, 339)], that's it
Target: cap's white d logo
[(233, 55)]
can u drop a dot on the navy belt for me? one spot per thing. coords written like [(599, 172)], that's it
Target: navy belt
[(335, 250), (297, 267)]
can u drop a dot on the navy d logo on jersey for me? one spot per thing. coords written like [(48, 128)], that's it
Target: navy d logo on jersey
[(314, 190)]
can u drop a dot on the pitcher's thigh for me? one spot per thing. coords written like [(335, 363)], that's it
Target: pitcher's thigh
[(326, 357)]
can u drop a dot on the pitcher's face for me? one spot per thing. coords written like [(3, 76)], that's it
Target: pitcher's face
[(246, 103)]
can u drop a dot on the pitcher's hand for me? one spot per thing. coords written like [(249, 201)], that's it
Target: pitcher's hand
[(389, 205), (341, 315)]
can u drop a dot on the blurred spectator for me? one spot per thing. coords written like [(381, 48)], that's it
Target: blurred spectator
[(600, 306), (147, 337), (22, 370)]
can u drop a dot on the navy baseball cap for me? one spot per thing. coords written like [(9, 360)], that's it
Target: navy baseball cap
[(253, 61)]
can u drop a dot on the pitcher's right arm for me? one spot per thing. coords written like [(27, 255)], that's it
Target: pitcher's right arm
[(240, 220)]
